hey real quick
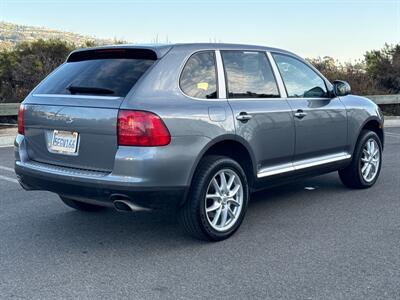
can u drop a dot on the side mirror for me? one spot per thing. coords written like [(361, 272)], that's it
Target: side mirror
[(341, 88)]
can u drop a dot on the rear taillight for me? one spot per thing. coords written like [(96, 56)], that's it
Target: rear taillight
[(141, 128), (21, 129)]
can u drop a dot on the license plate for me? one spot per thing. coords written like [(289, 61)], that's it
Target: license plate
[(64, 142)]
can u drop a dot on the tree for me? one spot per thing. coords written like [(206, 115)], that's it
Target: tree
[(384, 66), (22, 68), (7, 81), (354, 73)]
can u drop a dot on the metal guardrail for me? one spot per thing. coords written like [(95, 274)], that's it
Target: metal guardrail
[(11, 109), (385, 99)]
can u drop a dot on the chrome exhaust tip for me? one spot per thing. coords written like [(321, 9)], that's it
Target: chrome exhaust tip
[(124, 205)]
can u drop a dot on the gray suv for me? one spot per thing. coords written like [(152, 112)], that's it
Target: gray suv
[(195, 128)]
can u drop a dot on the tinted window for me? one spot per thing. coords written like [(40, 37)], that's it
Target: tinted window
[(198, 78), (109, 76), (299, 79), (249, 75)]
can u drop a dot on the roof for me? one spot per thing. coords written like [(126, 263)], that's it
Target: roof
[(226, 46), (162, 49)]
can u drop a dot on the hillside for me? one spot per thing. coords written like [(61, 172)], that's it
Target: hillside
[(11, 34)]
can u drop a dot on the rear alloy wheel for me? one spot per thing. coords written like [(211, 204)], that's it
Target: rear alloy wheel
[(366, 164), (217, 201), (224, 200), (82, 206)]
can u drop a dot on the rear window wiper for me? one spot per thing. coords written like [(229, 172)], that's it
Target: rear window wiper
[(89, 90)]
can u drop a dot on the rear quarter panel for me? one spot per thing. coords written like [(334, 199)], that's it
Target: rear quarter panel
[(159, 92), (196, 123)]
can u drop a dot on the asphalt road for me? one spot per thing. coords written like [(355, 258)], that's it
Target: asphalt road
[(323, 242)]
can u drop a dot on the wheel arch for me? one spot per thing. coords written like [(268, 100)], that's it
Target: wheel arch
[(376, 125), (232, 146)]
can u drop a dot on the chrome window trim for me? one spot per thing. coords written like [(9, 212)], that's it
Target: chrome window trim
[(256, 99), (302, 164), (278, 78), (221, 81), (319, 98), (281, 95), (216, 76), (311, 67), (77, 96), (220, 75)]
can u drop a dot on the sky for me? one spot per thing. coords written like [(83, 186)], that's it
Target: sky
[(341, 29)]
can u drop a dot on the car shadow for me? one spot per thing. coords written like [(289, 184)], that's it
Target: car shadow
[(147, 231)]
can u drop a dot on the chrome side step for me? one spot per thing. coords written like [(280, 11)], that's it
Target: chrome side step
[(302, 164)]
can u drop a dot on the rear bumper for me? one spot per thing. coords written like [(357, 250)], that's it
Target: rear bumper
[(98, 191), (149, 177)]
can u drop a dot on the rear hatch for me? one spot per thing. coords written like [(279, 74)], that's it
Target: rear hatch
[(71, 117)]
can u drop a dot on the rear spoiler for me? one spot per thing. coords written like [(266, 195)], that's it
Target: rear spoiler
[(119, 51), (112, 53)]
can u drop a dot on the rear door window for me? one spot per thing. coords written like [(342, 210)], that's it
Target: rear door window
[(249, 75), (102, 72), (198, 78)]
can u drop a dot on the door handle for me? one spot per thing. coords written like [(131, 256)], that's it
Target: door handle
[(300, 114), (243, 117)]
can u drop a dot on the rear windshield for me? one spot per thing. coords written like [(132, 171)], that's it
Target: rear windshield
[(100, 72)]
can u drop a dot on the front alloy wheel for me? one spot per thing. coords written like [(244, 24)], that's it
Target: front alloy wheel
[(370, 160), (366, 163)]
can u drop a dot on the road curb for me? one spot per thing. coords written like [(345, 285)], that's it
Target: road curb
[(6, 141), (392, 121), (7, 137)]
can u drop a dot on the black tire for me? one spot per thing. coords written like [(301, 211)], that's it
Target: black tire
[(352, 176), (82, 206), (193, 216)]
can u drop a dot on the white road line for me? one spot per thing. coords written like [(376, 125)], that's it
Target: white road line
[(8, 179), (6, 146), (7, 169)]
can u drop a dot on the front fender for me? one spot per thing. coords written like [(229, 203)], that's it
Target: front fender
[(361, 112)]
